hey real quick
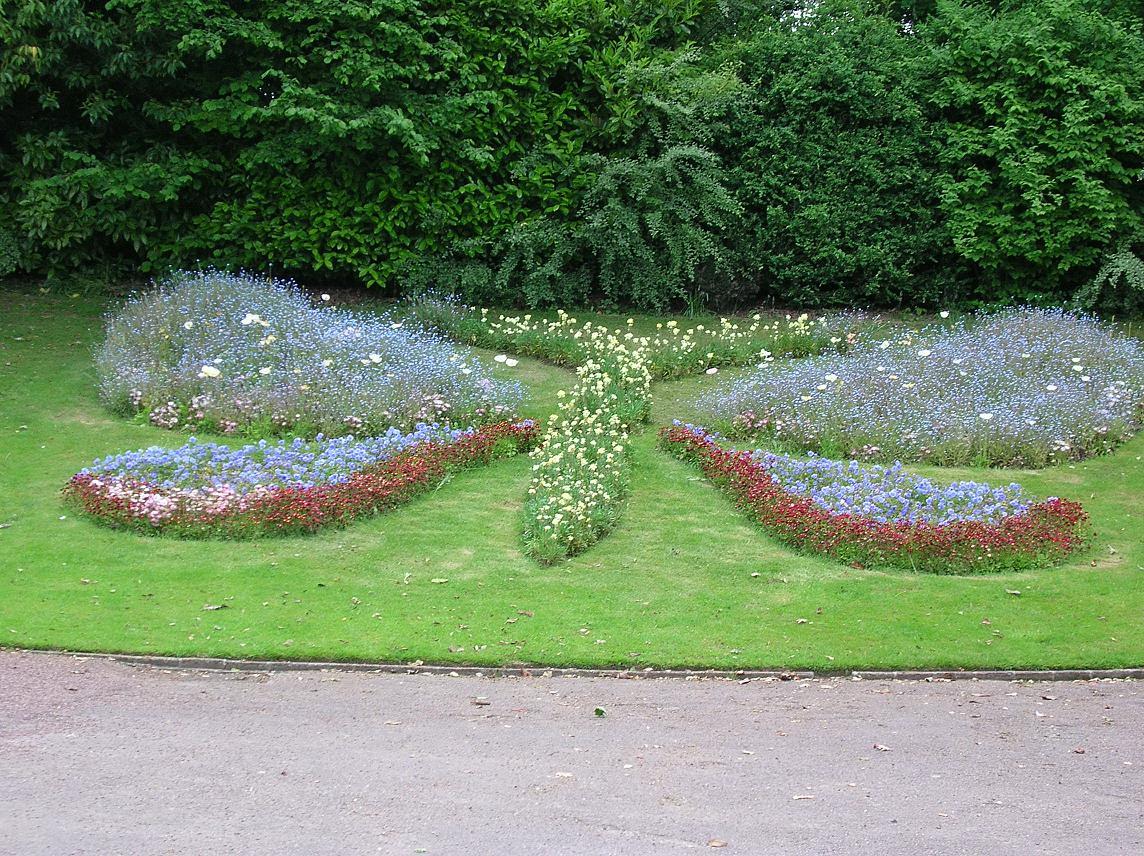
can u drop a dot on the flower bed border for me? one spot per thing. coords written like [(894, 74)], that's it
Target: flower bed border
[(1045, 534), (293, 510)]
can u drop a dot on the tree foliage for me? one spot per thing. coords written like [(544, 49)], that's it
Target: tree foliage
[(817, 153)]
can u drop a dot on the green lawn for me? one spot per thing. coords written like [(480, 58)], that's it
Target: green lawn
[(683, 581)]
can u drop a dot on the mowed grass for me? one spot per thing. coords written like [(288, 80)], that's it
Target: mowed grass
[(683, 581)]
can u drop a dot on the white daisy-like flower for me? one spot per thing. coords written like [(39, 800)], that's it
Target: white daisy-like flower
[(500, 358), (510, 362), (265, 370), (187, 325), (944, 313), (924, 352), (985, 416), (712, 370), (325, 298), (209, 371)]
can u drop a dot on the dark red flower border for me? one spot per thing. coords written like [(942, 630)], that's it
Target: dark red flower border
[(305, 510), (1044, 534)]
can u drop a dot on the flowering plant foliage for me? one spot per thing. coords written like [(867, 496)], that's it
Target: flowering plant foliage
[(1021, 388), (862, 523), (581, 470), (672, 350), (216, 351), (205, 489)]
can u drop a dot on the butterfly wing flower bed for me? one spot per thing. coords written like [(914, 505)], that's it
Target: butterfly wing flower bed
[(233, 354), (1020, 388), (870, 515), (203, 489)]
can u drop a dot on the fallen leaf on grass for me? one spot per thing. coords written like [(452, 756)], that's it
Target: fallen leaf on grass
[(1014, 592), (211, 607), (439, 580)]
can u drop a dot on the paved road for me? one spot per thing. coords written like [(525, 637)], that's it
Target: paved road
[(98, 757)]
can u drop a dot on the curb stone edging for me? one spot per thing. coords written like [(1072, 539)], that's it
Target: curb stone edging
[(222, 664), (1005, 675)]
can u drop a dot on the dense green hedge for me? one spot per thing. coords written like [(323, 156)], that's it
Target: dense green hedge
[(875, 152)]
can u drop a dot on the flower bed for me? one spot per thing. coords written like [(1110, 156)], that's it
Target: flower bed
[(672, 350), (1021, 388), (284, 488), (580, 478), (236, 354), (962, 528)]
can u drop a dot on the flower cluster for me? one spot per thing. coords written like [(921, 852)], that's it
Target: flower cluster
[(673, 350), (205, 489), (216, 351), (1020, 388), (581, 468), (994, 531)]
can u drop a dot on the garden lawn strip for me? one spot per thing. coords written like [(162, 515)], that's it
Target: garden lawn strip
[(673, 585)]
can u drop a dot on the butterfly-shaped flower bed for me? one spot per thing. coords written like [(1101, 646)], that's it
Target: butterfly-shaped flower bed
[(867, 515), (202, 489)]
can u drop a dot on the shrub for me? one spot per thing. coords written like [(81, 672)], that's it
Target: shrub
[(828, 148), (993, 533), (1042, 108), (1020, 388), (232, 353)]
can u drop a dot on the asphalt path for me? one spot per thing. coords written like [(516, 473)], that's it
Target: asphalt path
[(99, 757)]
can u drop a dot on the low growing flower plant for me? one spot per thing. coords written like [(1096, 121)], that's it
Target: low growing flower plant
[(236, 354), (203, 489), (873, 516), (1020, 388)]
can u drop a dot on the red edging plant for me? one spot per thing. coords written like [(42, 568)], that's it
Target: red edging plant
[(286, 511), (1044, 534)]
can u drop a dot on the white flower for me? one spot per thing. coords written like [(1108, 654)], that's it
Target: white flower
[(187, 325), (251, 318), (1078, 368), (327, 363), (209, 371), (510, 362), (944, 313), (1052, 387), (885, 344), (924, 352), (500, 358), (325, 298), (831, 378), (712, 370), (265, 370), (985, 416), (375, 358)]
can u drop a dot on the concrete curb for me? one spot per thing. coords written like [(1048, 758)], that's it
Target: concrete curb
[(221, 664)]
